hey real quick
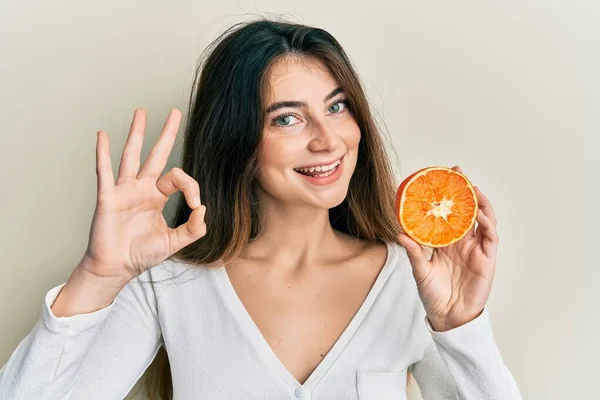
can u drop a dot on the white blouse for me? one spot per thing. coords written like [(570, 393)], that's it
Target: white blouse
[(217, 352)]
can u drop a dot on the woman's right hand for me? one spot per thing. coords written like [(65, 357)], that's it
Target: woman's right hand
[(129, 233)]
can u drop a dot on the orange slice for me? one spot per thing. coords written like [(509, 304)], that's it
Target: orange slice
[(436, 206)]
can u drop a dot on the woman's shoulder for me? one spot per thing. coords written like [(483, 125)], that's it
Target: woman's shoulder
[(399, 293), (398, 267), (386, 250), (168, 274)]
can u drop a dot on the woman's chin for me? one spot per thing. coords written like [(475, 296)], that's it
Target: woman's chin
[(328, 200)]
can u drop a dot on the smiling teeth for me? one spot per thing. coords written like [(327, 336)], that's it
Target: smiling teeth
[(323, 168)]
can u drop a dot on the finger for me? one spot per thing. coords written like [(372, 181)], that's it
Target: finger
[(486, 206), (457, 169), (157, 159), (417, 257), (487, 234), (192, 230), (130, 159), (104, 170), (472, 231), (176, 179)]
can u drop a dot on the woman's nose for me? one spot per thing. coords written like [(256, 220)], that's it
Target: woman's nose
[(324, 138)]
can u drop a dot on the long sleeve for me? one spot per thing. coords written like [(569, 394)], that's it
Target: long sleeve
[(98, 355), (464, 363)]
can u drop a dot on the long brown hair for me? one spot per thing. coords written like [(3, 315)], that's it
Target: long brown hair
[(221, 149)]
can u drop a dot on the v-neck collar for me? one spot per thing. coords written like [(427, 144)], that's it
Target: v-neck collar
[(249, 327)]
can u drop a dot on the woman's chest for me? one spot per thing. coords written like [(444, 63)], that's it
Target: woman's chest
[(301, 321), (328, 343)]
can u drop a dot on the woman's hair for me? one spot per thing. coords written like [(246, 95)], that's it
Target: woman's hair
[(222, 144)]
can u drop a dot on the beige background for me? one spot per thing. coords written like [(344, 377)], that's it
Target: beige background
[(508, 90)]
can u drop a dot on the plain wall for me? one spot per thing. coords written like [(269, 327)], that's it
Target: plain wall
[(507, 90)]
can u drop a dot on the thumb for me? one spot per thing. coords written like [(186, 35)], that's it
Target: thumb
[(416, 255)]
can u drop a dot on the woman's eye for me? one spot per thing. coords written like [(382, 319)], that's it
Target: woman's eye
[(335, 108), (285, 119)]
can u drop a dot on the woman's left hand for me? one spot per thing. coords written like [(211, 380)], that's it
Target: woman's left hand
[(455, 284)]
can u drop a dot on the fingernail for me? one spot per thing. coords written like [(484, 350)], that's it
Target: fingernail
[(196, 201)]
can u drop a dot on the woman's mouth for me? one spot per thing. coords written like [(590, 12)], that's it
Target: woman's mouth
[(322, 174), (320, 171)]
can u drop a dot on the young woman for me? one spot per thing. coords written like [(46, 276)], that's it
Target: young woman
[(286, 275)]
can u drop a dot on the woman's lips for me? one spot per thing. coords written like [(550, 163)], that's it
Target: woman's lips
[(325, 163), (325, 180)]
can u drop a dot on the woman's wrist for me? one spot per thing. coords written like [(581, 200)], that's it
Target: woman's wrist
[(447, 325), (84, 293)]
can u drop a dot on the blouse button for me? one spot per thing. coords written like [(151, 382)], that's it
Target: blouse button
[(299, 392)]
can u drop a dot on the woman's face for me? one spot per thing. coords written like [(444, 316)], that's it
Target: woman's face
[(322, 134)]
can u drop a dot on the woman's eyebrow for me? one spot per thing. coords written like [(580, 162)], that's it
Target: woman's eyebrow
[(299, 104)]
